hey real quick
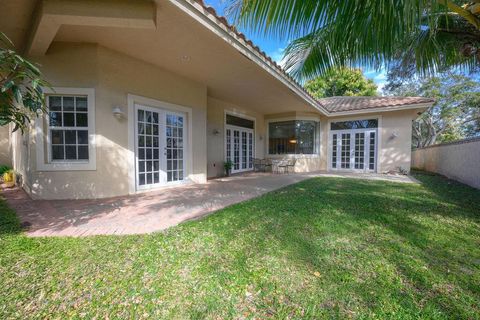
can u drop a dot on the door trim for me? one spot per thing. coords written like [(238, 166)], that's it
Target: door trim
[(156, 104), (247, 130), (226, 126), (378, 152)]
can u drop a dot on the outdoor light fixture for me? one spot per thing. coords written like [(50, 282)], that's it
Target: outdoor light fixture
[(293, 141), (394, 134), (117, 112), (216, 132)]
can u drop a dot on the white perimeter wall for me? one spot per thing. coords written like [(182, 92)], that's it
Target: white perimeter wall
[(458, 160)]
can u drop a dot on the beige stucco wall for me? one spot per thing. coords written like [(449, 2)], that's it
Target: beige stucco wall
[(459, 161), (216, 142), (5, 146), (395, 132), (114, 76)]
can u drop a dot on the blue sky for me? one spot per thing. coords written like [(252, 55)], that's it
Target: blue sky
[(274, 47)]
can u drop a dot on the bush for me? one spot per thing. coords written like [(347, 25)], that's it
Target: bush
[(4, 169)]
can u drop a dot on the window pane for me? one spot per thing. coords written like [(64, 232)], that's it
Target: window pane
[(55, 103), (70, 137), (82, 120), (141, 115), (357, 124), (292, 137), (70, 152), (83, 153), (69, 120), (239, 122), (82, 137), (57, 137), (71, 112), (57, 153), (68, 104), (55, 119), (81, 103), (306, 131)]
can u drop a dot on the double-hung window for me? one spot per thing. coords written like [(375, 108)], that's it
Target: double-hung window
[(66, 139), (68, 127)]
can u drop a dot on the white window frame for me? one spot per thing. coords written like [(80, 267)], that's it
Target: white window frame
[(317, 143), (43, 140)]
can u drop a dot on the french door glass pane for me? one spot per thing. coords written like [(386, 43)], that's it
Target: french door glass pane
[(229, 144), (334, 151), (250, 150), (345, 151), (244, 150), (148, 152), (359, 150), (174, 147), (372, 151), (236, 149)]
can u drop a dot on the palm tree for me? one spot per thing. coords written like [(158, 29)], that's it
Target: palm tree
[(432, 34)]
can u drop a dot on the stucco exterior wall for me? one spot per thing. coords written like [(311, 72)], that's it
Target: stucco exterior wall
[(5, 146), (394, 138), (113, 76), (216, 142), (458, 161)]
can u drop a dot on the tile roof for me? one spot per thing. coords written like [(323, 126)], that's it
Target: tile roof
[(343, 104)]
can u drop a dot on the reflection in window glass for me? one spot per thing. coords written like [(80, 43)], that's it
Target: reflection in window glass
[(292, 137), (357, 124)]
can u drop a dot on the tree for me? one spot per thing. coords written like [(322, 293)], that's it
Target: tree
[(21, 94), (455, 114), (341, 82), (371, 33)]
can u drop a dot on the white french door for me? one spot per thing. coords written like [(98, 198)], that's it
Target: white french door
[(353, 150), (239, 148), (159, 147)]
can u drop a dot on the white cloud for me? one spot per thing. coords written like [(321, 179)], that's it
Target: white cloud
[(277, 56)]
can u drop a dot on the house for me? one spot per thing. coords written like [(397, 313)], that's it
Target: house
[(149, 94)]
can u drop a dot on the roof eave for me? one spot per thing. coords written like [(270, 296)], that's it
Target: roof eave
[(199, 12), (383, 109)]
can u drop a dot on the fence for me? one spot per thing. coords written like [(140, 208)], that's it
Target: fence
[(459, 160)]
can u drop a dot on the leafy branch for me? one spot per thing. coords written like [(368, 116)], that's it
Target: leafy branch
[(21, 87)]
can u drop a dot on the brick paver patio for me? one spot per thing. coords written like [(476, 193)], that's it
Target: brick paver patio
[(147, 212)]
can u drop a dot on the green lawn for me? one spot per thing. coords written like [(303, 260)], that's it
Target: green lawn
[(322, 248)]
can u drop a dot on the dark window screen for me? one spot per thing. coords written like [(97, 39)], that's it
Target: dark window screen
[(239, 122), (357, 124)]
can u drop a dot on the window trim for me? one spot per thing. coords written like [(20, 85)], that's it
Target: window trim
[(44, 140), (318, 142)]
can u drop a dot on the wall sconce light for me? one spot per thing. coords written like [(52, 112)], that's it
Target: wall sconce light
[(260, 138), (394, 135), (117, 112), (216, 132)]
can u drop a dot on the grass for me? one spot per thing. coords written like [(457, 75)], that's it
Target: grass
[(323, 248)]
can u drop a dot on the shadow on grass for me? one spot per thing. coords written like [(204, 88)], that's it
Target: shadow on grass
[(9, 223), (350, 230)]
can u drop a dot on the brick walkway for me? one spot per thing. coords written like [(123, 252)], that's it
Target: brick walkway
[(147, 212)]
